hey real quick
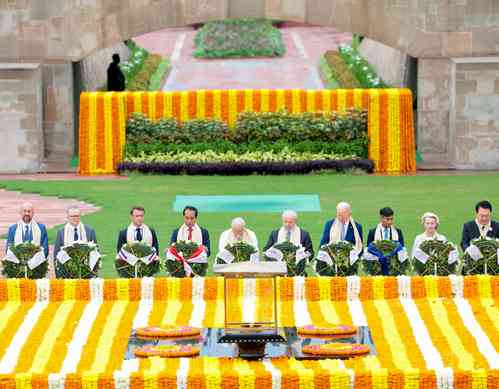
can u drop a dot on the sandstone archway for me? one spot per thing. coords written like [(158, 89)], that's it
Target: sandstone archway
[(454, 41)]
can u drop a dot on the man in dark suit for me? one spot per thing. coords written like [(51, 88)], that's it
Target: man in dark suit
[(343, 227), (115, 77), (385, 230), (137, 231), (191, 231), (28, 230), (73, 231), (290, 232), (482, 226)]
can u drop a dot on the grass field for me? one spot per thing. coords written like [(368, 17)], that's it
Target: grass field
[(451, 197)]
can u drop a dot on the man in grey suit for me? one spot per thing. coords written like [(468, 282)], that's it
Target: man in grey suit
[(73, 231)]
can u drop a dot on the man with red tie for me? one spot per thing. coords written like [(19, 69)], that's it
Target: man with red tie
[(190, 231)]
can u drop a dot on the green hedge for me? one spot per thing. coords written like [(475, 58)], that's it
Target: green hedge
[(239, 38), (336, 73), (363, 71), (332, 133)]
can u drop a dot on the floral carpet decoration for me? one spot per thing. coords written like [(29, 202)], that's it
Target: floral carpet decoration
[(103, 116), (429, 332)]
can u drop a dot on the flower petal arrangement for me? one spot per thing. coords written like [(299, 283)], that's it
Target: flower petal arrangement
[(428, 332), (311, 330), (167, 351), (167, 331), (337, 349)]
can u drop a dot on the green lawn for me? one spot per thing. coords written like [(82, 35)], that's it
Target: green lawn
[(451, 197)]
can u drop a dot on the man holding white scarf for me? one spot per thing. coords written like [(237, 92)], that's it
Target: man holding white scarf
[(385, 230), (73, 231), (290, 232), (343, 227), (28, 230), (191, 231), (237, 233), (137, 231)]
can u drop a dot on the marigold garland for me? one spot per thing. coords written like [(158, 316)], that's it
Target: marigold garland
[(166, 351), (103, 116)]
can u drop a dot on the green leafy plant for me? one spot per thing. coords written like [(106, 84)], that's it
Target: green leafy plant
[(159, 76), (395, 267), (336, 72), (24, 252), (361, 68), (438, 261), (339, 253), (78, 265), (176, 269), (140, 269), (488, 264), (239, 38), (288, 250), (240, 250)]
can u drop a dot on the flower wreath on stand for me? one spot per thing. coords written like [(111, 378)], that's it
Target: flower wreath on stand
[(186, 259), (237, 252), (294, 256), (386, 257), (337, 259), (436, 257), (79, 260), (25, 260), (137, 260), (482, 257)]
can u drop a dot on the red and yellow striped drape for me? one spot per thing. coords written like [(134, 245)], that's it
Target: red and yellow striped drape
[(103, 116)]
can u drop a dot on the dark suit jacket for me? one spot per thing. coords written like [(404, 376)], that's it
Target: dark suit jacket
[(44, 240), (204, 233), (350, 237), (122, 240), (59, 240), (305, 241), (470, 231), (370, 236)]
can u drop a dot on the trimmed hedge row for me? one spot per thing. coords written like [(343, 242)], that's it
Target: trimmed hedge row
[(246, 168)]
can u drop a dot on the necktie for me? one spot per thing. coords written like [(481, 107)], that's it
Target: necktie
[(386, 233), (138, 235), (189, 237), (288, 235), (26, 234), (343, 231), (75, 238), (484, 233)]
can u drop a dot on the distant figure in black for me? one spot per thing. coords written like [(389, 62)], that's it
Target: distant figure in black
[(115, 77)]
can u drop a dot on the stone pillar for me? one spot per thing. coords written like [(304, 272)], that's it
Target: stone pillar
[(21, 133), (475, 120), (433, 111), (58, 115)]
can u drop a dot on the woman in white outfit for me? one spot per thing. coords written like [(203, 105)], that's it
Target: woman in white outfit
[(430, 223)]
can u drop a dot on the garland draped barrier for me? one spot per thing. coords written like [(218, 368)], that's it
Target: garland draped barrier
[(429, 332), (103, 118)]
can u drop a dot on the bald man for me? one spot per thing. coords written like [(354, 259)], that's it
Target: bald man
[(28, 230), (290, 232)]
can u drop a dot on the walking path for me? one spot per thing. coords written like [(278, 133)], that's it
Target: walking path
[(296, 69)]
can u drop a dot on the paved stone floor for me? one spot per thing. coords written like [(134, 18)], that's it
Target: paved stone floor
[(297, 69)]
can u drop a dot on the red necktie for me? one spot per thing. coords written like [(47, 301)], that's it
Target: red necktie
[(189, 237)]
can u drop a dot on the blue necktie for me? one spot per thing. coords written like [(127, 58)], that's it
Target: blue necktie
[(75, 238), (138, 236), (26, 234), (343, 232), (386, 233)]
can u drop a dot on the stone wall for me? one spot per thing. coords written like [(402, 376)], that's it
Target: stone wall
[(93, 69), (476, 118), (391, 65), (21, 133)]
